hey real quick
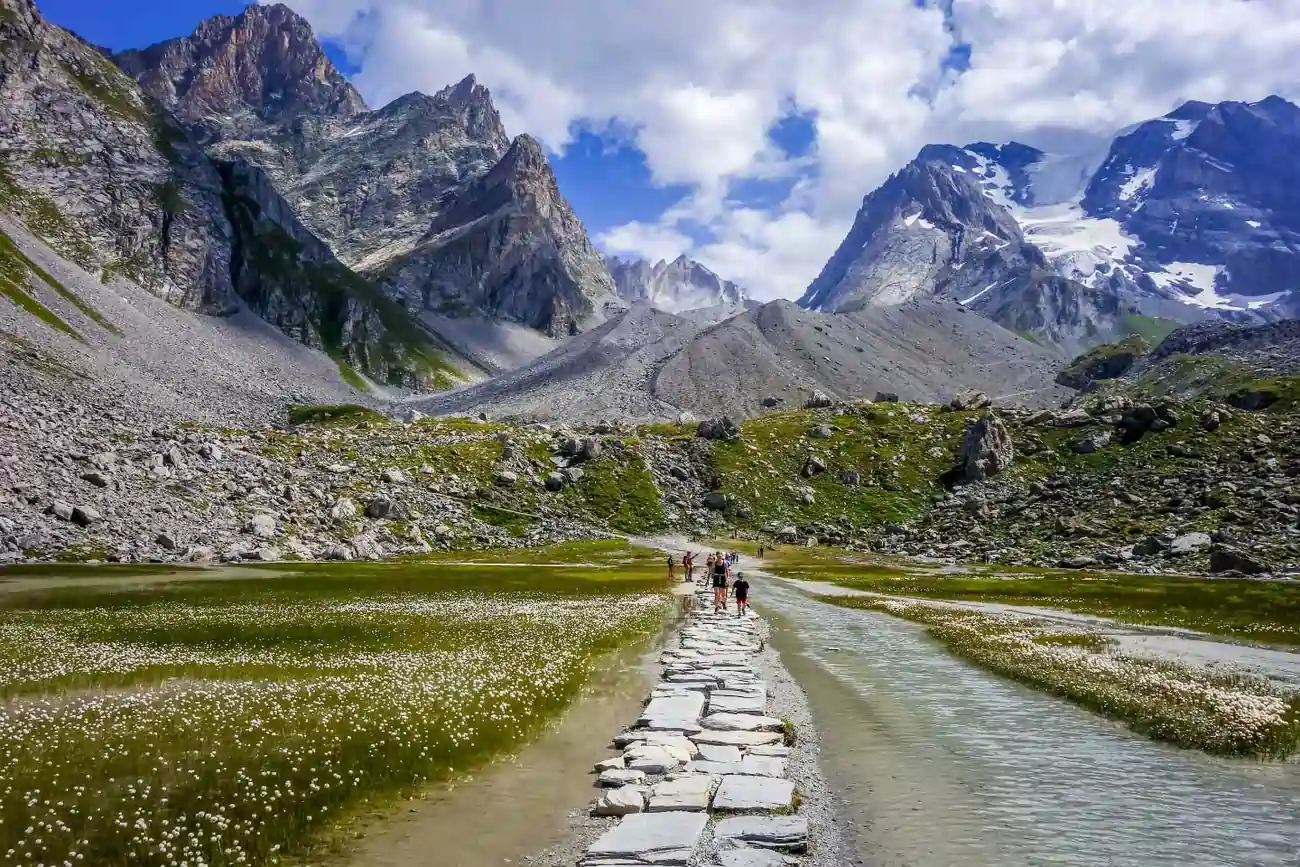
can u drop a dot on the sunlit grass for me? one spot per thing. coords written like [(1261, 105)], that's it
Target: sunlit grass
[(228, 722)]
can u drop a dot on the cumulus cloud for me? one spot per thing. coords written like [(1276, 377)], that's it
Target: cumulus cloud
[(698, 88)]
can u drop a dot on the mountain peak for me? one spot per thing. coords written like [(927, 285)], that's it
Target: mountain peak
[(673, 287), (265, 62)]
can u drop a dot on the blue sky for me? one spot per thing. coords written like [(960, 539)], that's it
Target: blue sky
[(746, 132)]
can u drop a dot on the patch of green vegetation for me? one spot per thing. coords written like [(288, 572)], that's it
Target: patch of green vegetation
[(168, 196), (13, 263), (1190, 707), (402, 354), (29, 355), (1031, 337), (509, 520), (10, 193), (13, 281), (350, 375), (341, 684), (112, 94), (322, 413), (899, 451), (1107, 361), (619, 489), (668, 430), (134, 267), (1266, 611), (1153, 328), (1277, 393)]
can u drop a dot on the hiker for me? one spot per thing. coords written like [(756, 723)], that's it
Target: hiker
[(760, 552), (672, 567), (688, 561), (741, 588), (719, 585)]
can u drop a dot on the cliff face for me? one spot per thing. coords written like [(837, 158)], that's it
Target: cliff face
[(394, 191), (113, 181), (675, 287)]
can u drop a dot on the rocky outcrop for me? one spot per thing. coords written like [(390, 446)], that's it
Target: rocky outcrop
[(986, 448), (100, 173), (508, 245), (426, 196), (1108, 361), (675, 287)]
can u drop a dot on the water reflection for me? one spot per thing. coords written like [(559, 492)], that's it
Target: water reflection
[(941, 763)]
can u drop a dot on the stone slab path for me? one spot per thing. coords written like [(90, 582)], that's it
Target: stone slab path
[(702, 774)]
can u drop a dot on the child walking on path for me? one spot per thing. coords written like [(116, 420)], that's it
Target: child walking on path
[(741, 588)]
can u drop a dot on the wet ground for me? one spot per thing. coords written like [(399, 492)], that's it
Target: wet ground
[(938, 762)]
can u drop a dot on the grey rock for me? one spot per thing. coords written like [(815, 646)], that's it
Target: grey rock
[(1189, 543), (1224, 558), (689, 793), (615, 777), (621, 801), (166, 542), (554, 482), (507, 478), (786, 833), (813, 466), (262, 526), (743, 794), (338, 552), (652, 838), (1092, 442), (381, 507), (97, 479), (590, 449), (851, 478), (818, 400), (393, 476), (715, 500), (886, 397), (969, 399), (343, 512), (84, 516), (986, 448), (60, 509), (572, 475), (820, 432), (718, 429), (771, 401)]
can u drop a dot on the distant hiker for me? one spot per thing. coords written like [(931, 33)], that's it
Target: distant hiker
[(688, 561), (719, 585), (760, 552), (672, 567), (741, 589)]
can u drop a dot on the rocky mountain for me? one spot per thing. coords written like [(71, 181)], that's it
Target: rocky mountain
[(675, 287), (426, 195), (110, 179), (649, 365), (1186, 216)]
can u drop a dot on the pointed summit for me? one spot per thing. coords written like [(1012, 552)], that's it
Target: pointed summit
[(261, 66)]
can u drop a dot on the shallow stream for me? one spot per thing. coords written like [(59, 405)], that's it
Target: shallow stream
[(938, 762)]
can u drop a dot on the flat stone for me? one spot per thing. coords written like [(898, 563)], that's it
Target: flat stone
[(676, 712), (779, 751), (741, 722), (747, 857), (616, 777), (737, 739), (750, 766), (651, 759), (623, 739), (616, 763), (622, 801), (789, 833), (650, 838), (715, 753), (683, 793), (739, 794), (735, 701)]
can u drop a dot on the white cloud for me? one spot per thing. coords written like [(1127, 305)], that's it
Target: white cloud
[(697, 86)]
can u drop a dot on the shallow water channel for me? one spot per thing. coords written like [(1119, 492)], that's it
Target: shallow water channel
[(938, 762)]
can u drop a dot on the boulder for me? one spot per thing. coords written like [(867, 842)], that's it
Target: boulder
[(589, 449), (338, 552), (715, 500), (685, 417), (165, 541), (851, 478), (813, 466), (820, 432), (554, 482), (381, 507), (1091, 443), (84, 516), (986, 448), (886, 397), (96, 478), (60, 509), (262, 526), (507, 478), (621, 801), (1224, 558), (818, 400), (174, 457), (211, 452), (771, 401), (343, 511), (718, 429), (969, 399), (1189, 543), (572, 474), (393, 476), (1210, 420)]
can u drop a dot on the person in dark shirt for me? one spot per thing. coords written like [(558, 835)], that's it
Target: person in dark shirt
[(741, 588), (719, 585)]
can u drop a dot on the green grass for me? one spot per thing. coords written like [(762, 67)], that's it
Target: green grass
[(618, 489), (1031, 337), (113, 95), (350, 375), (321, 413), (15, 264), (1153, 328), (1267, 611), (1195, 708), (900, 451), (248, 716)]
